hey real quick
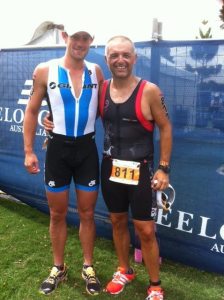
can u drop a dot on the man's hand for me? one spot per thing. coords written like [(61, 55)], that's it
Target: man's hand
[(31, 163), (160, 181), (48, 125)]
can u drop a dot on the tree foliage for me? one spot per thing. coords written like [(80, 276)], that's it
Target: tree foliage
[(205, 32), (221, 16)]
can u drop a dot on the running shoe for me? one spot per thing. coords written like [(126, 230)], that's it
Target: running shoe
[(119, 280), (92, 282), (155, 293), (55, 277)]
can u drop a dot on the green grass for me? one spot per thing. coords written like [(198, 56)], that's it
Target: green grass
[(26, 260)]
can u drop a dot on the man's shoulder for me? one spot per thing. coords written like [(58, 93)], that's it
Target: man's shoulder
[(91, 64), (42, 66), (152, 91), (42, 69), (47, 64), (150, 86)]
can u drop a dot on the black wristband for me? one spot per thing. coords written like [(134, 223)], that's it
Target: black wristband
[(165, 169)]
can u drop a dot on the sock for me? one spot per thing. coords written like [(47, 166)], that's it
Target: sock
[(130, 271), (86, 266), (60, 268), (155, 283)]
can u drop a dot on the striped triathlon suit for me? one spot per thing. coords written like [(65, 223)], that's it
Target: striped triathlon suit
[(127, 165), (71, 151)]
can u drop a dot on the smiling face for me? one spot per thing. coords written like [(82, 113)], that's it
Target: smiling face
[(120, 56), (78, 44)]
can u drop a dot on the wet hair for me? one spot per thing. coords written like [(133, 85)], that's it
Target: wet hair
[(121, 38)]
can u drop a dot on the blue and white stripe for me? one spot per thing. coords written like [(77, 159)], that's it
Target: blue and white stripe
[(72, 116)]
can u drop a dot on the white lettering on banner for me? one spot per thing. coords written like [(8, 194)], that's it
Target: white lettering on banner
[(161, 216), (218, 248), (41, 132), (6, 114), (41, 115), (181, 220), (16, 128), (11, 115), (204, 225), (26, 92), (184, 221), (222, 232), (17, 115)]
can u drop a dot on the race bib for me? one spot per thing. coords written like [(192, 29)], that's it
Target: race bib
[(126, 172)]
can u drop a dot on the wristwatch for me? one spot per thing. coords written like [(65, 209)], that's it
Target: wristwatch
[(164, 166)]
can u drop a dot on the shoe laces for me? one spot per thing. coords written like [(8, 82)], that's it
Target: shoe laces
[(156, 294), (53, 275), (120, 278), (90, 273)]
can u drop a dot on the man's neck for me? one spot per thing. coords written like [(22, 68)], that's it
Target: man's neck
[(119, 83), (122, 88), (73, 64)]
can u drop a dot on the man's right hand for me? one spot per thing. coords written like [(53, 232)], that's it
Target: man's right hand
[(31, 163)]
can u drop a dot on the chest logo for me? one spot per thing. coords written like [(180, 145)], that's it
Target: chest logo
[(60, 85)]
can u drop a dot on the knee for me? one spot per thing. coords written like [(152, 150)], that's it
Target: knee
[(57, 216), (86, 214), (146, 234), (119, 222)]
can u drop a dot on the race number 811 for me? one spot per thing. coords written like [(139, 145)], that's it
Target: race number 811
[(126, 172)]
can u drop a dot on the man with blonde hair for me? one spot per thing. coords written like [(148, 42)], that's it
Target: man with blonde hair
[(71, 86)]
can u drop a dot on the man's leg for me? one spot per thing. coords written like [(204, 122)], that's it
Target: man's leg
[(87, 234), (150, 253), (87, 230), (121, 238), (58, 204), (149, 247)]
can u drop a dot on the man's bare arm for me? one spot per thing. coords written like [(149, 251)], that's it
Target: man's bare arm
[(156, 110), (38, 92)]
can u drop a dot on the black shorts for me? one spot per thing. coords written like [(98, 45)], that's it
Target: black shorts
[(120, 197), (68, 158)]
